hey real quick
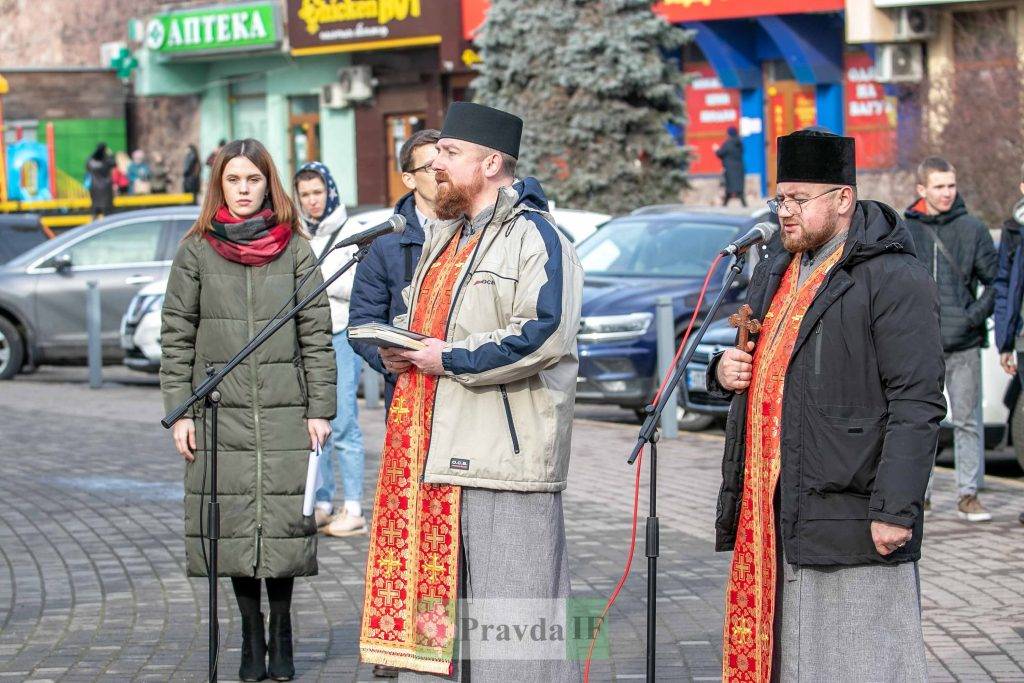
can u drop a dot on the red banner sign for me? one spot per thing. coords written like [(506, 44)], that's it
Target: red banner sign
[(703, 10), (473, 14), (711, 109), (870, 114)]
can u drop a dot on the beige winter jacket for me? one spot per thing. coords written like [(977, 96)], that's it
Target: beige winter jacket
[(504, 409)]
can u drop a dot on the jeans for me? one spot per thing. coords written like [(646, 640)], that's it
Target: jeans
[(963, 384), (346, 438)]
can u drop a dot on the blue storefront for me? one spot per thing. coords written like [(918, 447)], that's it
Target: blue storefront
[(781, 66)]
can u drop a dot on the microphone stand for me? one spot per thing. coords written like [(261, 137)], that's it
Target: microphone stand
[(649, 435), (208, 393)]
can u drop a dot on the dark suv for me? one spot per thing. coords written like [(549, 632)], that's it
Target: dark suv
[(43, 291), (632, 261)]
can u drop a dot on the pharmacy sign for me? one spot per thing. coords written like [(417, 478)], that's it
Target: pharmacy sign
[(215, 29)]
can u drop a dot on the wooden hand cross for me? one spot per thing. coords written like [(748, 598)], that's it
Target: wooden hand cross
[(747, 325)]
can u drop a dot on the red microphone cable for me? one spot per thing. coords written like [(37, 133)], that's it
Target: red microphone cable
[(639, 467)]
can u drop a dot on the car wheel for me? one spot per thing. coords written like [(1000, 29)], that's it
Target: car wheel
[(12, 350), (1017, 430)]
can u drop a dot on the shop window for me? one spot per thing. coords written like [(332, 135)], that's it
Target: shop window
[(248, 100), (304, 129)]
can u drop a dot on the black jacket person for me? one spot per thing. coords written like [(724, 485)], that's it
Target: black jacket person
[(862, 404)]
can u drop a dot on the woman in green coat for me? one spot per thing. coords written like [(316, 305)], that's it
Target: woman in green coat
[(236, 267)]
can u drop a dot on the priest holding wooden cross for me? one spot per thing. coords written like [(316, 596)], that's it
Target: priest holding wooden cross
[(831, 434)]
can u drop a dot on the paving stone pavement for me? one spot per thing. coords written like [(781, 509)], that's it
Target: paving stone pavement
[(92, 583)]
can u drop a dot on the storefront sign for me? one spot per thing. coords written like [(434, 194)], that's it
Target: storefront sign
[(322, 26), (870, 114), (474, 13), (703, 10), (712, 110), (214, 29)]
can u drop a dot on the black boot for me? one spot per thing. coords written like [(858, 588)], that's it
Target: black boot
[(254, 649), (282, 668)]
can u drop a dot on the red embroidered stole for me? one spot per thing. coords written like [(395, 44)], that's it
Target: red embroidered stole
[(412, 567), (750, 593)]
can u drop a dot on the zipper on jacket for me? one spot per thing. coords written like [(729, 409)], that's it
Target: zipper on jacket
[(258, 541), (508, 417), (254, 379), (817, 349)]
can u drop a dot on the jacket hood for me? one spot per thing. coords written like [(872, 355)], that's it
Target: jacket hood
[(333, 222), (531, 194), (333, 198), (876, 229), (918, 211), (406, 207)]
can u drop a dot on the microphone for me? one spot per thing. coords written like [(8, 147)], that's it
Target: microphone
[(762, 232), (394, 224)]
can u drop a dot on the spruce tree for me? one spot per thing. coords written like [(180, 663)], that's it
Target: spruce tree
[(591, 80)]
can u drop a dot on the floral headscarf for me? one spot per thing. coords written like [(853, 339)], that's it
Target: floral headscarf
[(333, 198)]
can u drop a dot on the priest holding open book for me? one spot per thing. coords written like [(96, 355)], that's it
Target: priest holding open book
[(476, 452)]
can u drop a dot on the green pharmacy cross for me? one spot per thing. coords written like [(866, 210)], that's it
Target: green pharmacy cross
[(124, 63)]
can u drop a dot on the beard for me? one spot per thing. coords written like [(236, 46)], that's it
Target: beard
[(808, 239), (453, 200)]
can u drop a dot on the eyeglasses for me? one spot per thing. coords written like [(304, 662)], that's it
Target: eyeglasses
[(794, 207), (426, 168)]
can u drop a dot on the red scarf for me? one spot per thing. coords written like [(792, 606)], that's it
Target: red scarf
[(266, 247)]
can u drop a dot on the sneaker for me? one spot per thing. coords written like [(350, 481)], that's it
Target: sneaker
[(971, 509), (345, 524), (927, 507), (381, 671), (1021, 518), (322, 516)]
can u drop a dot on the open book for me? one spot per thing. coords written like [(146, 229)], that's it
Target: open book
[(387, 337)]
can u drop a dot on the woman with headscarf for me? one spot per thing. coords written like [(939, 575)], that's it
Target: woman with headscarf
[(243, 258), (101, 187), (324, 216)]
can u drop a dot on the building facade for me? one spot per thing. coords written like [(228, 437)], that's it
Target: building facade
[(770, 68), (398, 67)]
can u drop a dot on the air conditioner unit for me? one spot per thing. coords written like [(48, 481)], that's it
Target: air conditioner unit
[(899, 63), (354, 84), (913, 23)]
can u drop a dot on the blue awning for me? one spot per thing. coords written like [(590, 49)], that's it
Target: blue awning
[(729, 47), (812, 45)]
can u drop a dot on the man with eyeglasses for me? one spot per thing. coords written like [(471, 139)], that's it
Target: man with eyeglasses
[(831, 435), (388, 267)]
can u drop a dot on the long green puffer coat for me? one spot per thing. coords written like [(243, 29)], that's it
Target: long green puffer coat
[(212, 307)]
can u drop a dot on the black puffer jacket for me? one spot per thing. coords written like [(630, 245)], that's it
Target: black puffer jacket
[(962, 312), (862, 403)]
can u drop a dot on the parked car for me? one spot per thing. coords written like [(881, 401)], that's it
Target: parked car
[(140, 328), (43, 291), (19, 232), (631, 262), (999, 395)]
